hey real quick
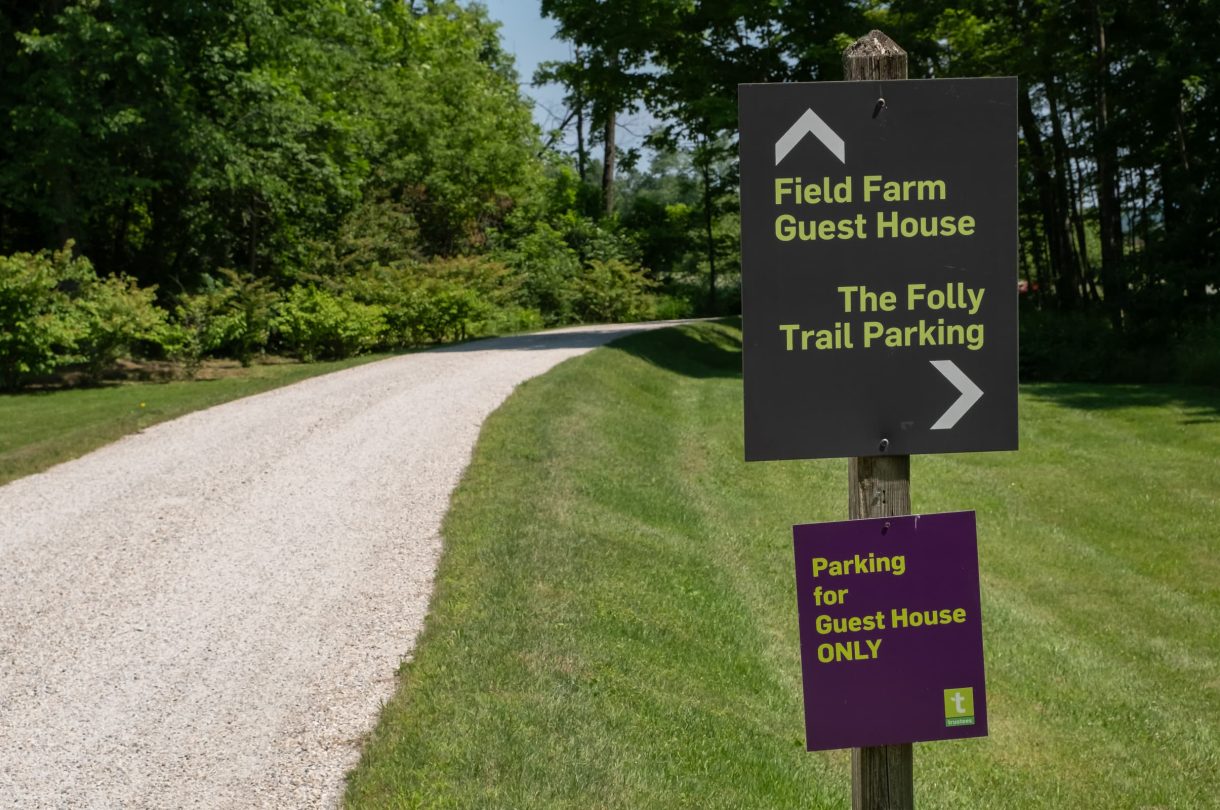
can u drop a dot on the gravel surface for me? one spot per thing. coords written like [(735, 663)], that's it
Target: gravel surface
[(210, 613)]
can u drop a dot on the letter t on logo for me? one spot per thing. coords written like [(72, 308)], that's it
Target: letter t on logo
[(959, 706)]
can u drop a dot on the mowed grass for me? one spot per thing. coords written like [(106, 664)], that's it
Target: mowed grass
[(614, 624), (42, 428)]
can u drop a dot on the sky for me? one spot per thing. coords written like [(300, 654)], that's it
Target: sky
[(531, 40)]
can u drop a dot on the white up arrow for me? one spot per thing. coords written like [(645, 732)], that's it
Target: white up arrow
[(970, 394), (810, 123)]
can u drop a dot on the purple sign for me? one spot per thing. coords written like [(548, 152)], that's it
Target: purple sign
[(891, 637)]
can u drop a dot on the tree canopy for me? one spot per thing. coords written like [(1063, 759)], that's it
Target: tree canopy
[(233, 150)]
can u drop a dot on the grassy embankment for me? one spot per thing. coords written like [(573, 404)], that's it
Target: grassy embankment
[(42, 428), (614, 622)]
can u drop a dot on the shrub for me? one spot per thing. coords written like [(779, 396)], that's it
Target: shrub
[(514, 318), (580, 270), (315, 324), (1198, 356), (444, 299), (612, 290), (36, 332), (109, 316), (547, 269), (377, 232), (1078, 346), (393, 291), (448, 311), (672, 308), (55, 311), (232, 318)]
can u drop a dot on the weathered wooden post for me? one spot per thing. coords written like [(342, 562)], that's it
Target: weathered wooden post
[(878, 236), (879, 486)]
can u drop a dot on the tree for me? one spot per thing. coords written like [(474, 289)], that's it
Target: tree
[(1115, 104)]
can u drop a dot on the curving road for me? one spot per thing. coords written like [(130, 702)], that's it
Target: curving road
[(211, 612)]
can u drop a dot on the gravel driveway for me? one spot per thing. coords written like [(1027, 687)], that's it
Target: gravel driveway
[(210, 613)]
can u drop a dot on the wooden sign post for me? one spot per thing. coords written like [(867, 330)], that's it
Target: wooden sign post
[(878, 248), (882, 778)]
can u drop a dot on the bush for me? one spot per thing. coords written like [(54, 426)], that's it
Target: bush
[(1198, 356), (1082, 346), (609, 291), (196, 329), (36, 329), (444, 299), (514, 318), (314, 324), (580, 271), (376, 233), (110, 315), (448, 311), (672, 308), (547, 269), (231, 319), (55, 311), (1075, 346)]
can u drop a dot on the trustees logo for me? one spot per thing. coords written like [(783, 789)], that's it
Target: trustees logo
[(959, 706)]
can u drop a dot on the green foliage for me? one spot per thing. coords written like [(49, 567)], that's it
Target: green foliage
[(245, 322), (548, 267), (314, 324), (1197, 356), (195, 329), (443, 299), (579, 269), (109, 316), (377, 233), (36, 327), (55, 311), (672, 307), (1082, 345), (231, 319), (613, 290), (172, 141), (1078, 346)]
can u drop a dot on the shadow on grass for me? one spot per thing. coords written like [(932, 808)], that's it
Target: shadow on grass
[(692, 351), (1201, 405)]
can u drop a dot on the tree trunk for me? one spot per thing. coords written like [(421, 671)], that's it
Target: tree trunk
[(711, 242), (608, 164), (1068, 286), (253, 235), (582, 155), (1076, 190), (1109, 213), (1052, 220)]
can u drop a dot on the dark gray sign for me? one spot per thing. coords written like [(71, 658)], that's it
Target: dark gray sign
[(879, 278)]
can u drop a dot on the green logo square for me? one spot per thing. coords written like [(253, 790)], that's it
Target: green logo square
[(959, 706)]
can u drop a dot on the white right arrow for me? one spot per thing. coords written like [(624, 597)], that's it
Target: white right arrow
[(970, 394)]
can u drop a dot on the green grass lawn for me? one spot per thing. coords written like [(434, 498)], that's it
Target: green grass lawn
[(614, 624), (42, 428)]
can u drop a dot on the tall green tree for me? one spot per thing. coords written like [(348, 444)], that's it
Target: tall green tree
[(683, 59), (172, 138), (1116, 102)]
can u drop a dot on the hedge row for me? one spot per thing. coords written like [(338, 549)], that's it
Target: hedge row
[(56, 312)]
